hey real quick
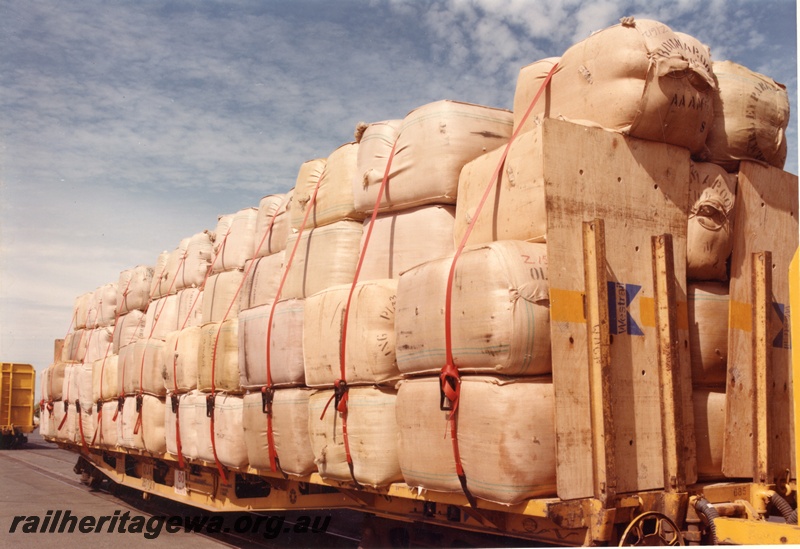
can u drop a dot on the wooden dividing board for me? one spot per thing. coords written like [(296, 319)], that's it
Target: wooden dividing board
[(765, 221), (638, 189)]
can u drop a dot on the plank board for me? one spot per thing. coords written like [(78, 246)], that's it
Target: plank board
[(765, 220), (639, 189)]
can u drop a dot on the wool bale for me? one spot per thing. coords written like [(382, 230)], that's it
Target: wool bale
[(529, 82), (289, 431), (218, 360), (709, 424), (70, 389), (370, 346), (128, 329), (181, 359), (372, 434), (262, 278), (47, 421), (80, 311), (404, 239), (272, 225), (221, 296), (286, 345), (65, 429), (709, 240), (161, 317), (506, 437), (433, 144), (190, 307), (88, 426), (228, 432), (325, 256), (85, 379), (142, 425), (104, 305), (708, 304), (638, 77), (53, 381), (515, 207), (163, 281), (99, 343), (107, 436), (133, 289), (235, 240), (500, 312), (751, 114), (334, 185), (148, 367), (104, 378), (180, 423), (193, 259)]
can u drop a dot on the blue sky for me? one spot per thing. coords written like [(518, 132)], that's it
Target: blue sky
[(127, 126)]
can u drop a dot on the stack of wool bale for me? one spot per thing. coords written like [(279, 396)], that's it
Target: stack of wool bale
[(321, 250), (133, 299), (55, 402), (709, 245), (410, 223), (751, 113), (100, 325), (217, 417), (140, 418), (72, 353), (275, 414), (179, 360), (89, 342), (52, 385)]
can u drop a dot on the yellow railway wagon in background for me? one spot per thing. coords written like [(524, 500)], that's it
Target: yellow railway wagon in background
[(17, 396)]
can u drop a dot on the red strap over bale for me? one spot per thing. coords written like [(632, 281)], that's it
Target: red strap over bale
[(449, 377)]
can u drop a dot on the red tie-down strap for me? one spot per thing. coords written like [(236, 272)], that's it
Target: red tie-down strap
[(210, 412), (121, 397), (267, 397), (84, 446), (449, 377), (66, 403), (340, 387), (120, 405), (268, 392), (175, 395), (100, 400), (139, 406), (274, 460), (156, 318), (175, 403), (210, 398), (99, 428), (64, 419)]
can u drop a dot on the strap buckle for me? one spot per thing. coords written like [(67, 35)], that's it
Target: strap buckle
[(267, 395), (210, 405), (448, 391), (174, 400), (340, 389), (139, 401), (66, 406), (99, 405)]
